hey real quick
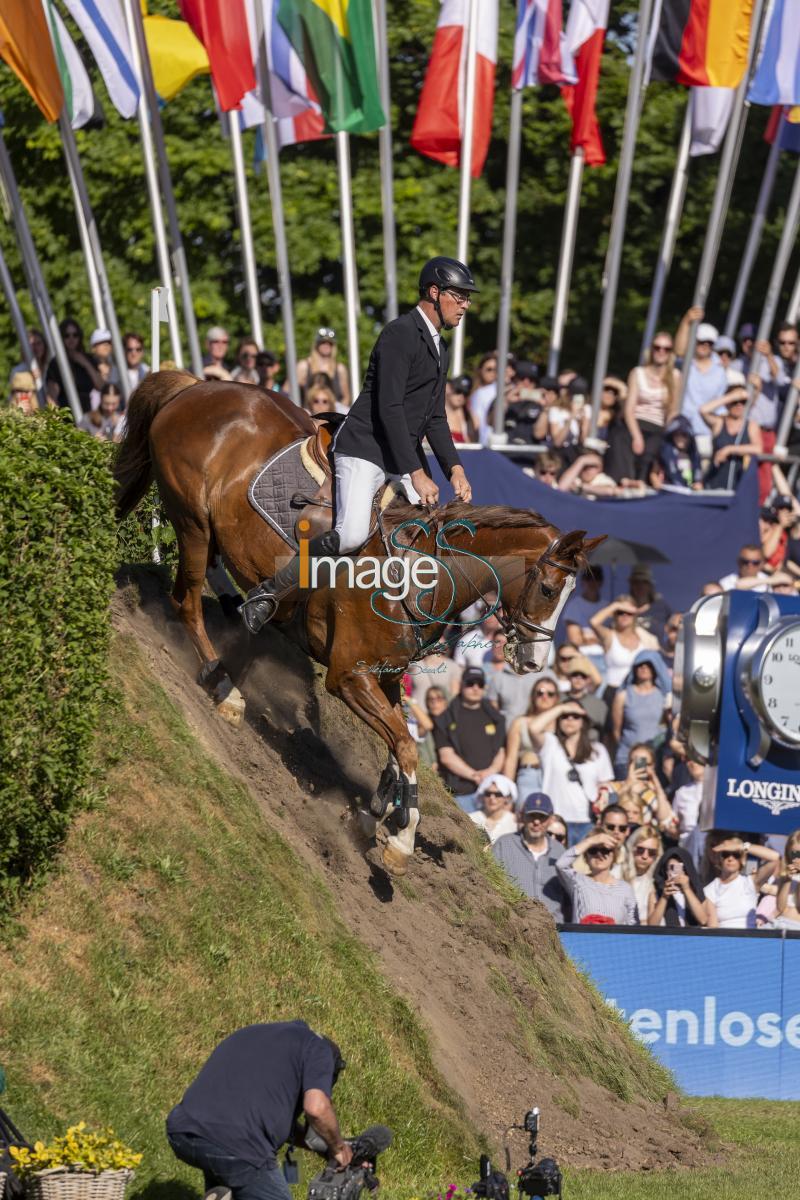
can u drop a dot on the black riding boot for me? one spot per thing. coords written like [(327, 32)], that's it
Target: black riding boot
[(261, 603)]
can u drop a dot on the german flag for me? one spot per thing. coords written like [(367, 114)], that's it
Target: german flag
[(702, 43)]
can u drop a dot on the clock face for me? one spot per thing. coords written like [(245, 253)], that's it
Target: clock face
[(779, 684)]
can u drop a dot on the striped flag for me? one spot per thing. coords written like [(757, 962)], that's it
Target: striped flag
[(298, 116), (703, 43), (102, 24), (777, 80), (439, 120), (221, 25), (711, 111), (335, 42), (79, 97), (583, 43), (25, 45), (537, 44)]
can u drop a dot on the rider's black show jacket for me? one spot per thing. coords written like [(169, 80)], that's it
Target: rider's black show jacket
[(401, 402)]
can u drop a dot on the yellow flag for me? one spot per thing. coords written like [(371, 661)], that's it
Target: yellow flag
[(176, 55), (25, 45)]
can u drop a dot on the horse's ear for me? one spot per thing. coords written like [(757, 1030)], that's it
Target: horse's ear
[(592, 543), (570, 545)]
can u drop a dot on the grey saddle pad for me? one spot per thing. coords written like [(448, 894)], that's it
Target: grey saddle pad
[(272, 489)]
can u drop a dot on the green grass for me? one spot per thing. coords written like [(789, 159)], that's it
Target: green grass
[(762, 1158), (177, 915)]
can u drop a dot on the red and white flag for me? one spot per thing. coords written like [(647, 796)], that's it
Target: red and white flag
[(538, 44), (439, 121), (584, 38)]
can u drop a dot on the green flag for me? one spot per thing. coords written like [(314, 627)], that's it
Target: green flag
[(335, 42)]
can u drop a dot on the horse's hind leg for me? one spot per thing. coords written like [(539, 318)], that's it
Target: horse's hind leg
[(194, 545)]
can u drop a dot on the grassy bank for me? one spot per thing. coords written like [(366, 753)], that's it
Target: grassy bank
[(762, 1159), (177, 916)]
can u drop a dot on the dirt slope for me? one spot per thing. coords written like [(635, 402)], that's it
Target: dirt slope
[(510, 1022)]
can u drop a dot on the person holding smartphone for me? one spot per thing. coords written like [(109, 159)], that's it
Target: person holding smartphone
[(678, 898)]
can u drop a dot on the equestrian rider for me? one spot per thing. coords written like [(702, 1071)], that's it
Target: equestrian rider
[(401, 403)]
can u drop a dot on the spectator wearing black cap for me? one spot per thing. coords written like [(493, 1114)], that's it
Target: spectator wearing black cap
[(459, 419), (530, 856), (746, 337), (470, 740)]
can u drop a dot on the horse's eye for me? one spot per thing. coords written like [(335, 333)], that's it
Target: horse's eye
[(548, 592)]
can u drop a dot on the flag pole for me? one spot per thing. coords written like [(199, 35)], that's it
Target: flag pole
[(276, 205), (462, 250), (36, 283), (386, 161), (20, 328), (791, 224), (348, 259), (722, 193), (106, 313), (507, 266), (566, 255), (619, 213), (180, 268), (151, 176), (669, 235), (788, 414), (246, 230), (83, 228), (793, 311), (756, 230)]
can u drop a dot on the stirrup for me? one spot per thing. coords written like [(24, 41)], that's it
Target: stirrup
[(258, 608)]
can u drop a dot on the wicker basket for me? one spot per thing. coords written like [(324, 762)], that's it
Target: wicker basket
[(61, 1184)]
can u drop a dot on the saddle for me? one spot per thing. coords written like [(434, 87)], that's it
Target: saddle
[(297, 484)]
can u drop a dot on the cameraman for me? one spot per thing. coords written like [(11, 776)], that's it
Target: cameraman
[(245, 1102)]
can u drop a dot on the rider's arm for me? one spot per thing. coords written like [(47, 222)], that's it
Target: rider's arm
[(319, 1110), (393, 366)]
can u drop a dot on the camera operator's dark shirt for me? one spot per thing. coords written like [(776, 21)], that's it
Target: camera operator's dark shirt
[(476, 734), (249, 1093)]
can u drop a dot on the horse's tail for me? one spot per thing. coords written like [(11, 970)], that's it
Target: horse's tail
[(133, 469)]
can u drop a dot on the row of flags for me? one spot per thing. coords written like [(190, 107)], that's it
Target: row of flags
[(323, 70)]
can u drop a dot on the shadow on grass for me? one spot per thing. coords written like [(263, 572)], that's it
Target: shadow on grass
[(167, 1189)]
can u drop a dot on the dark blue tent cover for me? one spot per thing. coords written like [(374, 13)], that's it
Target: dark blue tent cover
[(700, 534)]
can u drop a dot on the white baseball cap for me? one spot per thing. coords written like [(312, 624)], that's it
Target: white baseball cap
[(99, 336), (706, 332)]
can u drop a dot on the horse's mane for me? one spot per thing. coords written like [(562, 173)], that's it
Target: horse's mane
[(487, 516)]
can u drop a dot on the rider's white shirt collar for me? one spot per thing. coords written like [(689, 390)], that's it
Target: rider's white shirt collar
[(434, 332)]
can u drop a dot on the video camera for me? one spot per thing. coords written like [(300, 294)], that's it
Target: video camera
[(535, 1179), (335, 1183)]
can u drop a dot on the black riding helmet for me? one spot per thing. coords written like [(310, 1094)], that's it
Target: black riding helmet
[(445, 273)]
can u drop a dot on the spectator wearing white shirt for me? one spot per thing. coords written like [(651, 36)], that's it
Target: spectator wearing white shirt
[(573, 767), (732, 894), (497, 796), (750, 563), (687, 799)]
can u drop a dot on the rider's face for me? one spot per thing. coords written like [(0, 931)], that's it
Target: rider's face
[(454, 305)]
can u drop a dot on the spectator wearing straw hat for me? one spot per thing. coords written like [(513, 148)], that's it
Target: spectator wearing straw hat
[(23, 392)]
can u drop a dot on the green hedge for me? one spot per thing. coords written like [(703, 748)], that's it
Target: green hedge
[(58, 553)]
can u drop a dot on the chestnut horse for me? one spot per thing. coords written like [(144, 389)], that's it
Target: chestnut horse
[(204, 442)]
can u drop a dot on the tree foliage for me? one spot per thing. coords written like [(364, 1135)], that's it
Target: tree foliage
[(426, 202)]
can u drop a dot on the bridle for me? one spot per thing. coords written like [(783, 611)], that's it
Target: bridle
[(515, 621)]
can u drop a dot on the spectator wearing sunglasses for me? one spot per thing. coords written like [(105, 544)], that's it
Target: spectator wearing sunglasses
[(322, 358), (215, 365), (530, 856), (573, 767), (678, 899), (522, 760), (623, 640), (557, 831), (497, 797), (137, 368), (733, 895), (652, 401), (707, 377), (787, 906), (583, 678), (547, 469), (597, 894), (751, 570), (245, 370), (84, 372), (732, 443), (470, 740), (645, 849)]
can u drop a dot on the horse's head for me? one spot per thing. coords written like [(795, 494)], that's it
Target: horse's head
[(532, 609)]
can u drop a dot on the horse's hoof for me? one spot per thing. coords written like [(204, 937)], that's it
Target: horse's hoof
[(231, 709), (394, 862)]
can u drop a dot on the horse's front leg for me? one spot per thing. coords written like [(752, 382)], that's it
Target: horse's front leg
[(395, 799)]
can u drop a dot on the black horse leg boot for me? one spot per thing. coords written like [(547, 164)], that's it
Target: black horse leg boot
[(261, 603)]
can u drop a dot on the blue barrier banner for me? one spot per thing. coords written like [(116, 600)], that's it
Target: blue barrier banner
[(721, 1009)]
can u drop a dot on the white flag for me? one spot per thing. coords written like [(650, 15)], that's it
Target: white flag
[(711, 111), (102, 24), (78, 94)]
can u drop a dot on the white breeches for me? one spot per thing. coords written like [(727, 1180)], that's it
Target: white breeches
[(356, 483)]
